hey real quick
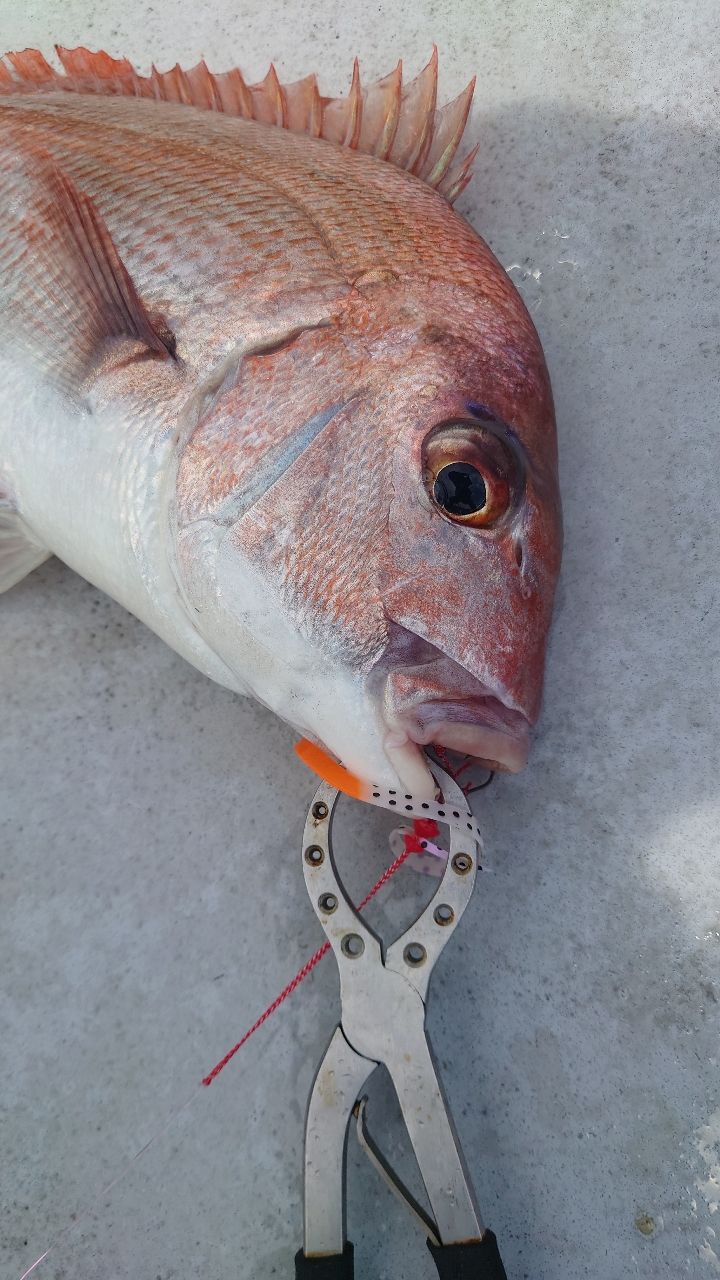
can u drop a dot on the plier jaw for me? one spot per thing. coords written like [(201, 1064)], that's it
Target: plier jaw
[(383, 996)]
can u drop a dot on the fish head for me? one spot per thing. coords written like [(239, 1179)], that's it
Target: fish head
[(370, 530), (472, 560)]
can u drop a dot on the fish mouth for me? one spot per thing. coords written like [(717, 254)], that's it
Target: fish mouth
[(482, 727), (437, 703), (497, 737)]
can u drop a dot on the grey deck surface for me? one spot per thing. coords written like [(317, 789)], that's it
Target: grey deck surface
[(150, 889)]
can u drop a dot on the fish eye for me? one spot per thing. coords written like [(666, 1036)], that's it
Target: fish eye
[(472, 472), (460, 489)]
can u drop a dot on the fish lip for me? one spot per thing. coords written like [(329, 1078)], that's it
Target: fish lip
[(481, 726)]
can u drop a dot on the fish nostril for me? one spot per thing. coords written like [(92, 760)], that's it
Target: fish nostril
[(519, 555)]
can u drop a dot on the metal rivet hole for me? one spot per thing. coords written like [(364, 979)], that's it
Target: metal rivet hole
[(443, 914), (352, 946), (314, 855), (414, 954), (462, 863), (327, 902), (320, 809)]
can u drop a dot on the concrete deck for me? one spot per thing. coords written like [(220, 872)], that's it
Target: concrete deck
[(152, 897)]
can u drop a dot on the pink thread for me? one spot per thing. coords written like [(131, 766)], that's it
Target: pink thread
[(444, 759), (412, 845), (467, 762)]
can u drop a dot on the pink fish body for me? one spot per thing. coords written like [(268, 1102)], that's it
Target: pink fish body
[(269, 391)]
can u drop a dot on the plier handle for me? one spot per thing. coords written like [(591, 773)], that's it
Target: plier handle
[(383, 996)]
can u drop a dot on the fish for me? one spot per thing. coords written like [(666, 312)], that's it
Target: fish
[(265, 387)]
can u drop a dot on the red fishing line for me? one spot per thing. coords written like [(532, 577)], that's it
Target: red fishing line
[(412, 845)]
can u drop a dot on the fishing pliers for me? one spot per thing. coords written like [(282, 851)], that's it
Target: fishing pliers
[(383, 995)]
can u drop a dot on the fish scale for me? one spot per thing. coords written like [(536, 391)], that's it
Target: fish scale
[(349, 225), (214, 224), (246, 420), (241, 329)]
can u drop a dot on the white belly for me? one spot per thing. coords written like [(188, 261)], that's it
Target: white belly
[(95, 487)]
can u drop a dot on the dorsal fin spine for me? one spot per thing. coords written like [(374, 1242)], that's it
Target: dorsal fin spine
[(395, 123), (355, 106), (394, 94)]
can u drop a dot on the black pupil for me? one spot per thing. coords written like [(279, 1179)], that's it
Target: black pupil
[(460, 489)]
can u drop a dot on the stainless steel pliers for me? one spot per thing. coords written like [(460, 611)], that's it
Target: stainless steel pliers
[(383, 994)]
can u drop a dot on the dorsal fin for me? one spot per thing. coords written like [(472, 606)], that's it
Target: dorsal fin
[(396, 122)]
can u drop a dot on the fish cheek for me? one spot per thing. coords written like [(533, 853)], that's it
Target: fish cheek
[(424, 575), (461, 590), (317, 538)]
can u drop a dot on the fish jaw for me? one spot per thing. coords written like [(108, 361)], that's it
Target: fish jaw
[(438, 704), (430, 700), (471, 729)]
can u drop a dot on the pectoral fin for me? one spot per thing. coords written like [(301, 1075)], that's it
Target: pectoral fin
[(104, 284), (67, 290), (19, 552)]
